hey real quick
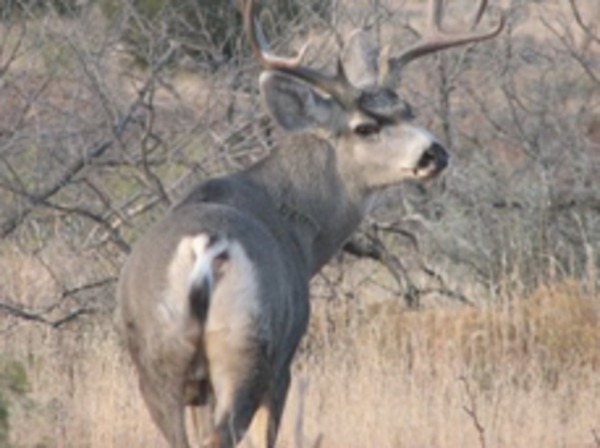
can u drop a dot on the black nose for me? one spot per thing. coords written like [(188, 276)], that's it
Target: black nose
[(435, 157)]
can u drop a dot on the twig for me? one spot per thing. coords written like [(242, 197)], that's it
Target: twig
[(377, 251), (13, 53), (471, 411), (589, 31), (98, 284), (577, 57), (38, 316), (596, 437)]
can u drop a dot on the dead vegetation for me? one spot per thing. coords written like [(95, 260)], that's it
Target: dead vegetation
[(476, 322), (520, 374)]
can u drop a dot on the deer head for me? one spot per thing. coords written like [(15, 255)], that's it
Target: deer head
[(357, 109)]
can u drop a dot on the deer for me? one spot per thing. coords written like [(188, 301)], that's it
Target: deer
[(214, 298)]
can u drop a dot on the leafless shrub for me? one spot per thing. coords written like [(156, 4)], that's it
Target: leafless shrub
[(520, 206)]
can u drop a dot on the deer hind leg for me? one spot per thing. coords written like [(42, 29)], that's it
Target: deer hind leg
[(161, 384), (166, 405), (240, 378), (202, 422), (265, 425), (261, 423)]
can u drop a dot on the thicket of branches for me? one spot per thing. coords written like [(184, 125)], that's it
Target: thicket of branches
[(94, 146)]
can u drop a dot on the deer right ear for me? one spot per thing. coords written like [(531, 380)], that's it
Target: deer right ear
[(295, 105)]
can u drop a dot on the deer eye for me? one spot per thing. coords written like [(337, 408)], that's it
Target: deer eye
[(367, 129)]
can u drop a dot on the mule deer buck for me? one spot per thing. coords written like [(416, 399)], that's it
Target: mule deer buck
[(214, 298)]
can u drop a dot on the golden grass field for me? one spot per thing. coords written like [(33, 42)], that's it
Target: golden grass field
[(523, 373)]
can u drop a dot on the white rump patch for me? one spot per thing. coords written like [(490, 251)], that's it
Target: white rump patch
[(191, 265), (234, 303), (205, 256)]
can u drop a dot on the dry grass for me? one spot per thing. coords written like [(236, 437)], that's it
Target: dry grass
[(520, 375), (524, 373)]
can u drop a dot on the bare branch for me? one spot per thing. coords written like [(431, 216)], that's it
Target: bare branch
[(39, 315), (10, 224), (471, 410), (590, 32)]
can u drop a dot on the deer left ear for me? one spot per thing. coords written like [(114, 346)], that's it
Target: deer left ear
[(295, 105)]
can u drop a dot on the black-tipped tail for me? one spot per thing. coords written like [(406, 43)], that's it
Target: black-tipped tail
[(200, 297), (210, 259)]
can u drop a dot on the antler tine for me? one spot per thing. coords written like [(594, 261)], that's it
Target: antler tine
[(337, 86), (260, 46), (435, 39), (436, 9), (479, 13)]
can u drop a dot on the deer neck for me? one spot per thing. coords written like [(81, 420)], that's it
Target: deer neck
[(320, 207)]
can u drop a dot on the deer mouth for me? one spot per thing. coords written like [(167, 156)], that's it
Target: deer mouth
[(433, 161)]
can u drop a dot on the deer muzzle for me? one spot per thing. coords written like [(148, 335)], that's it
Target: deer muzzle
[(433, 161)]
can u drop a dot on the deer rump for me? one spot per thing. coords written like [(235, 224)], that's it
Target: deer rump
[(205, 321)]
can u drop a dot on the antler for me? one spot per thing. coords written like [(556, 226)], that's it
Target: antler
[(337, 86), (435, 39)]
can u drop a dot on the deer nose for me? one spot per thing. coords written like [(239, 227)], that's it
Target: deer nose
[(435, 157)]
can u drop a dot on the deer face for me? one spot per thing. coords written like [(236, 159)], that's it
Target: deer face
[(373, 132), (357, 110), (386, 147)]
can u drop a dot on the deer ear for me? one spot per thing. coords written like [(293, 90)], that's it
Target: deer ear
[(295, 105)]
